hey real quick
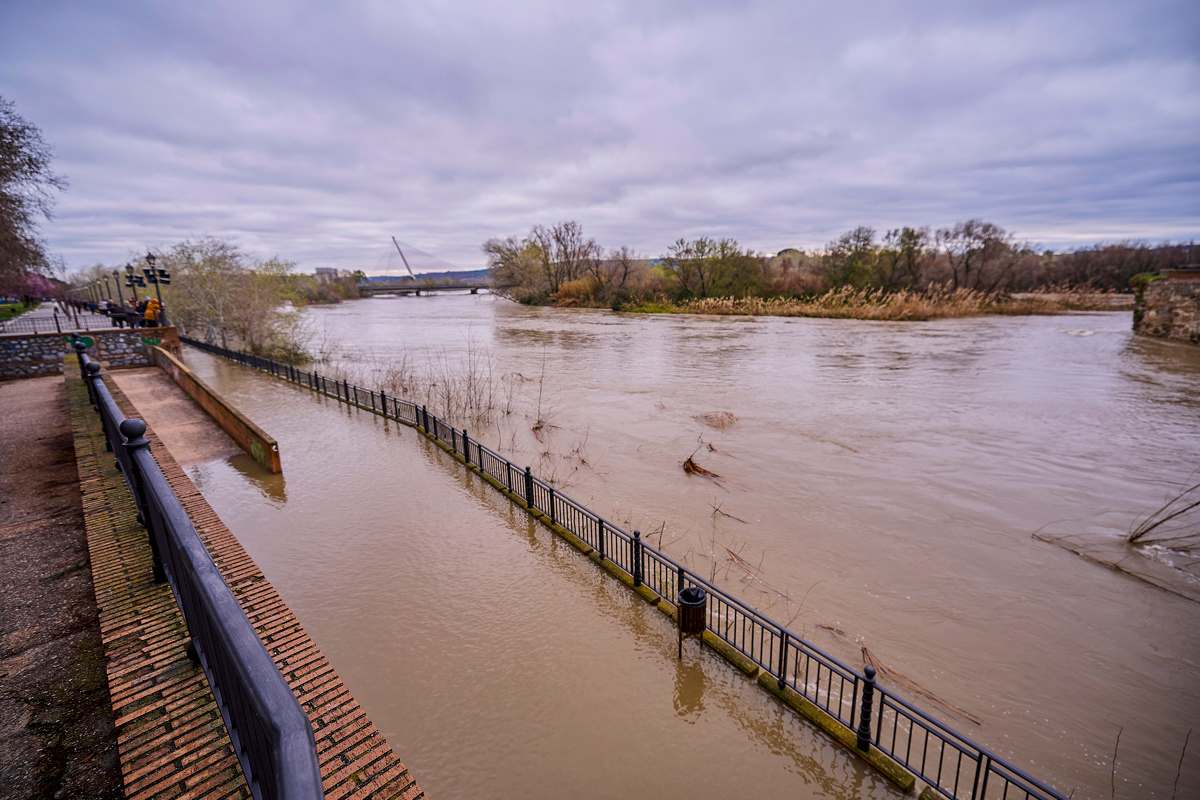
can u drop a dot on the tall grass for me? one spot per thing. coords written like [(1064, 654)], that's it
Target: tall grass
[(875, 304)]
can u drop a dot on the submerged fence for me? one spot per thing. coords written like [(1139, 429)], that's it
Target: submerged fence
[(269, 731), (949, 762)]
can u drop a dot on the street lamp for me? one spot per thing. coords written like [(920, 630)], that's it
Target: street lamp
[(158, 277), (117, 285), (133, 281)]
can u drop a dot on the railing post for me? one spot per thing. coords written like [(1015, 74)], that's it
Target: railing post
[(529, 488), (783, 651), (454, 440), (133, 431), (864, 722), (466, 447), (553, 517), (508, 475), (382, 403), (425, 418), (93, 375), (637, 558), (79, 348), (600, 536)]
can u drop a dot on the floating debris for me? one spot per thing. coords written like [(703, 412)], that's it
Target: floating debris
[(719, 420)]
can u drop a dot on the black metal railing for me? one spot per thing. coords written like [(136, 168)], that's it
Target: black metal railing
[(950, 763), (66, 322), (269, 731)]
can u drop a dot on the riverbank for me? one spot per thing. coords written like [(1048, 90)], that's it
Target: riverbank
[(869, 304)]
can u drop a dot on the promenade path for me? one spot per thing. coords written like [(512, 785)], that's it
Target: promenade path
[(56, 725), (169, 734), (41, 319)]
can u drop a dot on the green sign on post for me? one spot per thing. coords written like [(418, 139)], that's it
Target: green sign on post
[(86, 340)]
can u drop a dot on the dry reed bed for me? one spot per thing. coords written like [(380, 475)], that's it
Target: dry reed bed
[(875, 304)]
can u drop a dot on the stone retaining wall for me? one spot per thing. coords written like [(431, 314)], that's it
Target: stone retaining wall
[(37, 354), (1170, 308)]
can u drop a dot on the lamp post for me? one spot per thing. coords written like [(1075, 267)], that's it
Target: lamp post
[(158, 277)]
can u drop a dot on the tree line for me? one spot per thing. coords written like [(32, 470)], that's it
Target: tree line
[(560, 264)]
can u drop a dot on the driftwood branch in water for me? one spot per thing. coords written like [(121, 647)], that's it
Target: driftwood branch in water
[(1179, 505), (717, 510), (692, 468)]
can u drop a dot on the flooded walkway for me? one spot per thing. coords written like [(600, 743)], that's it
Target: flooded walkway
[(170, 736), (494, 655)]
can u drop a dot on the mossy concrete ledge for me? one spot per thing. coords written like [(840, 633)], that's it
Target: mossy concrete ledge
[(898, 775)]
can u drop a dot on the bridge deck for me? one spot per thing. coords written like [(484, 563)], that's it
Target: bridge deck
[(170, 736)]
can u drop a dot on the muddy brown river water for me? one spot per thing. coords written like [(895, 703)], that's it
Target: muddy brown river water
[(878, 488)]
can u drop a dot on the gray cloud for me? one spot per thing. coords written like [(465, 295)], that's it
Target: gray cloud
[(317, 132)]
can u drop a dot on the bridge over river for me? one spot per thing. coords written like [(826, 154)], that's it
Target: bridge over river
[(416, 287)]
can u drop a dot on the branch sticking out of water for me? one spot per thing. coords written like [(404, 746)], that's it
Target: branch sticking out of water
[(718, 511), (1182, 504), (692, 468), (1179, 769), (1112, 776)]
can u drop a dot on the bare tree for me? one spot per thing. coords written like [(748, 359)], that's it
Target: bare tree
[(535, 268), (27, 187), (851, 258), (980, 254), (566, 254), (217, 293), (903, 258), (611, 274), (692, 263), (516, 269)]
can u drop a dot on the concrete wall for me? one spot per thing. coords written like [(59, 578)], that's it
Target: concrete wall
[(1170, 308), (251, 438), (34, 354)]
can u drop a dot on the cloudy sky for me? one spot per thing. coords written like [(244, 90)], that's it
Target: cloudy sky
[(317, 131)]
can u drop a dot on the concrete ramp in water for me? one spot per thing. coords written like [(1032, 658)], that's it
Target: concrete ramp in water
[(186, 429)]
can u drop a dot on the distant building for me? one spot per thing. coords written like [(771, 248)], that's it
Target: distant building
[(327, 274)]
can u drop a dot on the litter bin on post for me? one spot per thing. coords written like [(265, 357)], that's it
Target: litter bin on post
[(693, 613)]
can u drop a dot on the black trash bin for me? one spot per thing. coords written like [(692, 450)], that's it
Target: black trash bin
[(693, 613), (693, 602)]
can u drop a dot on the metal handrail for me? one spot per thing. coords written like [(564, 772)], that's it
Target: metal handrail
[(269, 731), (865, 717)]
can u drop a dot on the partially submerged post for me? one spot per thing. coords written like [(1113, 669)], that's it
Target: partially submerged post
[(693, 610)]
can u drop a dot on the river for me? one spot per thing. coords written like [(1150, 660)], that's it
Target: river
[(878, 486)]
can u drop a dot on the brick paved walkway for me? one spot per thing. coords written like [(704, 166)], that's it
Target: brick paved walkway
[(170, 736)]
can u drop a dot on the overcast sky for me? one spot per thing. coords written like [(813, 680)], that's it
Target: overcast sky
[(315, 133)]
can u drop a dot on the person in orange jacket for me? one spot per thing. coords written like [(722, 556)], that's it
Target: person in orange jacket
[(150, 317)]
